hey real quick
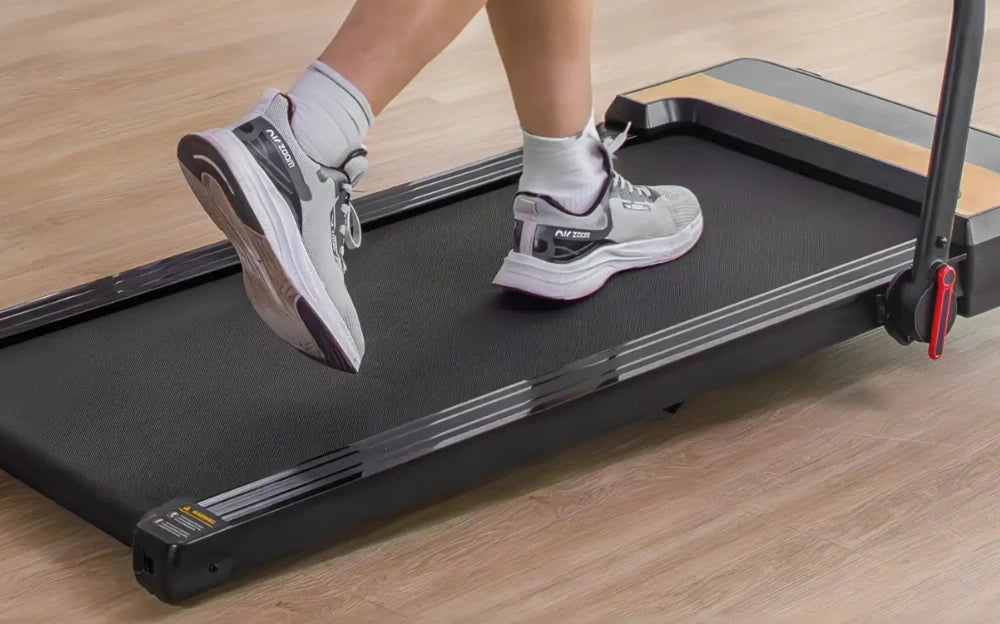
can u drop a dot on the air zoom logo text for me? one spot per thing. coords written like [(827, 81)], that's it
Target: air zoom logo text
[(572, 234), (289, 161)]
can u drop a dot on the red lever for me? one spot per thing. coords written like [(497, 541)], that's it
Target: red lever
[(943, 304)]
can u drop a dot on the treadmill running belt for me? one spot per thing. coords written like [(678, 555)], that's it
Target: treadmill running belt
[(191, 395)]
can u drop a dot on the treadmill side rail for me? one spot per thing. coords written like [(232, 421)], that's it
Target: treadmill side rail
[(163, 277), (331, 495)]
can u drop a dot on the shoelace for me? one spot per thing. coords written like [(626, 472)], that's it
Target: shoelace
[(348, 233), (613, 144), (624, 184), (349, 229)]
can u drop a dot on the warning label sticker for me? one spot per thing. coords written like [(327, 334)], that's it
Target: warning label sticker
[(185, 522)]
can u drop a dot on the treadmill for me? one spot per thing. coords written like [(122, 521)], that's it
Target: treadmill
[(155, 404)]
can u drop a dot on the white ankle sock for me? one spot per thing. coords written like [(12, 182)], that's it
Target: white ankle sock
[(570, 169), (330, 116)]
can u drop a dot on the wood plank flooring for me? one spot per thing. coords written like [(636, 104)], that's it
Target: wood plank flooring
[(859, 485)]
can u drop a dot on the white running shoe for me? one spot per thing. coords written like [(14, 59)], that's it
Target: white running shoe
[(289, 219), (560, 255)]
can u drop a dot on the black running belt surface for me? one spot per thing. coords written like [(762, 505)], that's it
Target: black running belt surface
[(191, 395)]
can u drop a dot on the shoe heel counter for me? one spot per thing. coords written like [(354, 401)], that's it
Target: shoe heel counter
[(525, 224), (546, 232), (271, 150)]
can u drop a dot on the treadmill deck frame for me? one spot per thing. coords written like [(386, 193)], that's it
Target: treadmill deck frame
[(332, 494)]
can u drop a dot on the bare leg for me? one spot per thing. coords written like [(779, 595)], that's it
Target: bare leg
[(383, 44), (379, 49), (545, 47)]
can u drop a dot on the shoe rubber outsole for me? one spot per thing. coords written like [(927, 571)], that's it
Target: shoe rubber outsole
[(283, 304), (584, 277)]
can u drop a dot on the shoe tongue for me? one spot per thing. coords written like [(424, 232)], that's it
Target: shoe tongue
[(267, 100)]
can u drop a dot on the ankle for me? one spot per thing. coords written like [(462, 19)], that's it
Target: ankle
[(571, 170), (330, 116)]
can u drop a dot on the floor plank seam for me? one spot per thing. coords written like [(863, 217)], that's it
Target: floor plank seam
[(380, 606)]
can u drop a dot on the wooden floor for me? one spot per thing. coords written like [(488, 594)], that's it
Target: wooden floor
[(862, 484)]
